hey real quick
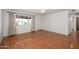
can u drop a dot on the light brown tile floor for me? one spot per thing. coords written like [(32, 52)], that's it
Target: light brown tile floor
[(39, 39)]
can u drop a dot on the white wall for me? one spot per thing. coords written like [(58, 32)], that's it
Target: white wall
[(72, 23), (5, 21), (56, 22), (0, 25), (37, 22), (0, 21), (69, 24)]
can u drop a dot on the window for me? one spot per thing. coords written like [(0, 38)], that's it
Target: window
[(22, 20)]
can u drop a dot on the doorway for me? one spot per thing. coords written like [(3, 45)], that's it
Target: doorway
[(77, 29), (77, 23)]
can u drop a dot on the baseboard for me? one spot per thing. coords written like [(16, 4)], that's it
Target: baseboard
[(18, 34), (35, 31), (40, 30), (53, 32)]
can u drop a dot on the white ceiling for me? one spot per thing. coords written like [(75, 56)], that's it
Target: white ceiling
[(38, 11)]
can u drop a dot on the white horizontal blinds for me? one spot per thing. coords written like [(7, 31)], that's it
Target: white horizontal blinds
[(22, 20), (23, 17)]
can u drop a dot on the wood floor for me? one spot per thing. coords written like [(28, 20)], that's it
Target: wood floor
[(39, 40), (74, 40)]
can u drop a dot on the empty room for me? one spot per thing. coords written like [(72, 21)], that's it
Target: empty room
[(36, 29)]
